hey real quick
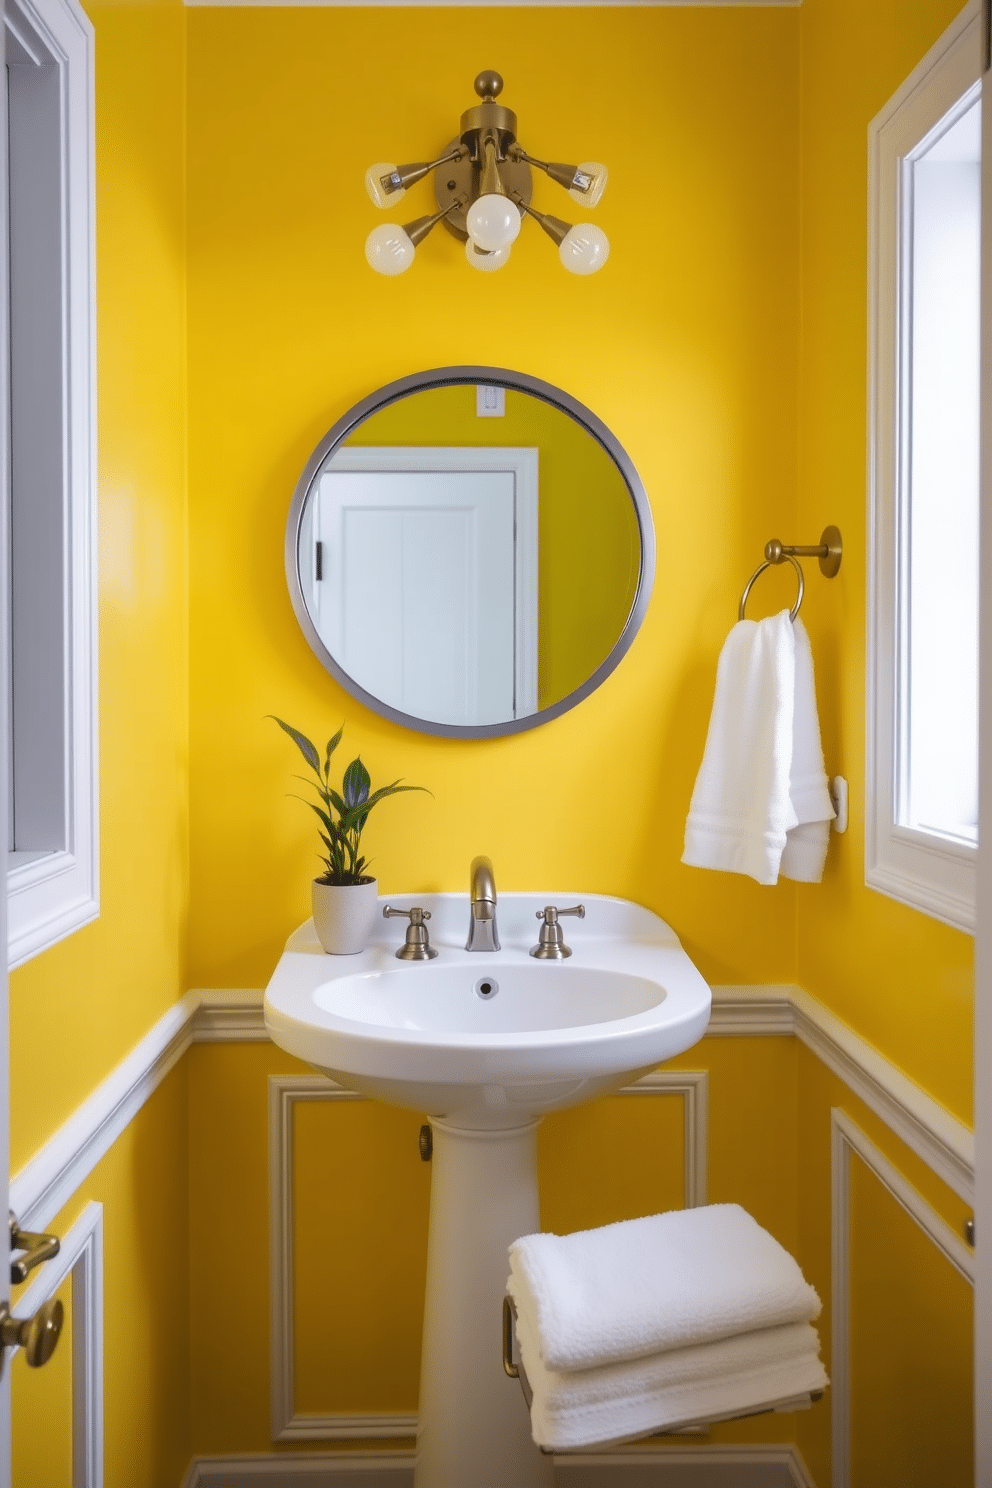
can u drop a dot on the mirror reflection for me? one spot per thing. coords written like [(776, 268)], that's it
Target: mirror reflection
[(468, 555)]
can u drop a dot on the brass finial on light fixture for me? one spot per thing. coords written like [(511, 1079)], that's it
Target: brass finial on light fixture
[(484, 193)]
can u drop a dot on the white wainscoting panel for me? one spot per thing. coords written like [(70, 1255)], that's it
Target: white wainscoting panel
[(846, 1138), (693, 1087), (80, 1257), (945, 1144), (285, 1092)]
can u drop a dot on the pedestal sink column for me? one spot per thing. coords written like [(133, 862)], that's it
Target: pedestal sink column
[(474, 1425)]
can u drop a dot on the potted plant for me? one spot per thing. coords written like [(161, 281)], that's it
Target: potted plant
[(344, 896)]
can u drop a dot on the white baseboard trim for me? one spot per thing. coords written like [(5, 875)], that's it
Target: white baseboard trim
[(282, 1470), (55, 1172), (637, 1466)]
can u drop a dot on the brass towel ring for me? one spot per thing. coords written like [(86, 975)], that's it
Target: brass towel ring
[(787, 557), (828, 551)]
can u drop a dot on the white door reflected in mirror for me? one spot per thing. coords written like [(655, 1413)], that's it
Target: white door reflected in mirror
[(424, 578)]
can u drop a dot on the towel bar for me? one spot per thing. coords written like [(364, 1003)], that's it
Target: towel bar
[(828, 550), (516, 1371)]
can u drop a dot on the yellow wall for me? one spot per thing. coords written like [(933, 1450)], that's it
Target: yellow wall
[(725, 346), (79, 1008), (903, 980), (83, 1005), (588, 544), (686, 345)]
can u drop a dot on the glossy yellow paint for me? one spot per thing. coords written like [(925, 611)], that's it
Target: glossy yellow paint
[(41, 1411), (724, 344), (588, 549), (898, 976), (82, 1006), (686, 345), (911, 1350)]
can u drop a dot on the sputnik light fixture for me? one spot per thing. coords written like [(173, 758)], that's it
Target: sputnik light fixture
[(483, 185)]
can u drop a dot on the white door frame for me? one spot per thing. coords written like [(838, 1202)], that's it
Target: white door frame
[(983, 905), (5, 1413)]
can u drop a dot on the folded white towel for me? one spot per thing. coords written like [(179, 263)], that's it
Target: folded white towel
[(806, 844), (713, 1381), (669, 1281), (741, 810), (761, 799)]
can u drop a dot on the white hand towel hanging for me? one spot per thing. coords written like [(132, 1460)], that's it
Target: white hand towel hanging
[(806, 844), (741, 810)]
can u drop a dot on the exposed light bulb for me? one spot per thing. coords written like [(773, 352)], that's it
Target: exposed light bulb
[(584, 249), (493, 222), (374, 186), (486, 263), (598, 175), (388, 249)]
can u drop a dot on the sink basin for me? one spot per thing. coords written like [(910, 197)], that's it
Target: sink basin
[(485, 1043), (490, 1039)]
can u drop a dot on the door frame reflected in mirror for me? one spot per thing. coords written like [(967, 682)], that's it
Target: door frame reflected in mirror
[(442, 377)]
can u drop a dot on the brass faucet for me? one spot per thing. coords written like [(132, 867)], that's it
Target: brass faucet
[(482, 934)]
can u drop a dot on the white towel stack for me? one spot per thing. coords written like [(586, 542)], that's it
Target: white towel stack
[(761, 805), (694, 1315)]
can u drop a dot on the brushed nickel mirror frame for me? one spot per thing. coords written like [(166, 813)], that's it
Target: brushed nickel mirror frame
[(521, 382)]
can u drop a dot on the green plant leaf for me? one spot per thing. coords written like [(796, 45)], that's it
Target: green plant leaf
[(337, 803), (332, 744), (303, 744), (356, 783), (391, 790)]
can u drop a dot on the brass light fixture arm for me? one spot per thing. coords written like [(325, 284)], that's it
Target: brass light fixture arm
[(555, 228), (568, 176), (408, 175), (418, 229), (489, 181)]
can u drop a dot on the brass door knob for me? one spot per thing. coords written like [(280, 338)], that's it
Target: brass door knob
[(37, 1335)]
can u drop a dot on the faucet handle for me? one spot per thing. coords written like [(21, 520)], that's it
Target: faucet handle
[(417, 946), (550, 942)]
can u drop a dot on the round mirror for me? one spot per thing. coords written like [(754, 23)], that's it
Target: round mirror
[(469, 552)]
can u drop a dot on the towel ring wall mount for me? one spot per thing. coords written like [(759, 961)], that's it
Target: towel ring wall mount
[(828, 551)]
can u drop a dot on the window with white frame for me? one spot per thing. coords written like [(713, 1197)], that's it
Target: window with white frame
[(52, 875), (925, 216)]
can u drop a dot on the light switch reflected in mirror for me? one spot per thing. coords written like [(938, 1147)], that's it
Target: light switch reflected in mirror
[(469, 552)]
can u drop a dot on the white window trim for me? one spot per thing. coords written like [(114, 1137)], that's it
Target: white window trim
[(930, 873), (53, 894)]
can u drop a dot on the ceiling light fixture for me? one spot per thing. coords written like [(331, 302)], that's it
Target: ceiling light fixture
[(483, 186)]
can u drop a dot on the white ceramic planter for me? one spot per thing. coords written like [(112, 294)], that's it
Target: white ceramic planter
[(343, 915)]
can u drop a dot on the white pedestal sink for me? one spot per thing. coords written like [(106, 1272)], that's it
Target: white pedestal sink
[(485, 1043)]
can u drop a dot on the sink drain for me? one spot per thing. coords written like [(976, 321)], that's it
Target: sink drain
[(486, 987)]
